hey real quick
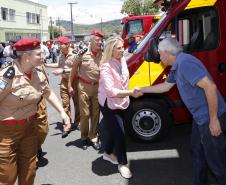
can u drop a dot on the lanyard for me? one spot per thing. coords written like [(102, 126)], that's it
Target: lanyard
[(119, 69)]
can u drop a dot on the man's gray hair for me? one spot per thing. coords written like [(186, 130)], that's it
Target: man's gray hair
[(170, 45)]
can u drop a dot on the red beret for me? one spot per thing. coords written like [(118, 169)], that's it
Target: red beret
[(27, 44), (97, 33), (63, 40)]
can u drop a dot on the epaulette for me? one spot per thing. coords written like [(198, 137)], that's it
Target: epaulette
[(80, 52)]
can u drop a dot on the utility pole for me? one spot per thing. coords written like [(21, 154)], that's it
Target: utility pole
[(59, 26), (72, 32), (101, 24), (51, 28)]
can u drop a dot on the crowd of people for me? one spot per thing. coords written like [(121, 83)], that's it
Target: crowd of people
[(96, 78)]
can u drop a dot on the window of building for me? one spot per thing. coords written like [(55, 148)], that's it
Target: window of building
[(28, 15), (9, 36), (11, 15), (4, 12), (37, 18), (33, 18)]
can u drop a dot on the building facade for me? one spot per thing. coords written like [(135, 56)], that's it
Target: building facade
[(23, 18)]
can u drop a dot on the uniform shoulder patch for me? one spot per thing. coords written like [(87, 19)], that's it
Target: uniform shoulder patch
[(10, 73)]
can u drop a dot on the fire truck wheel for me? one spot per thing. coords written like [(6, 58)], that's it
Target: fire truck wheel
[(148, 119)]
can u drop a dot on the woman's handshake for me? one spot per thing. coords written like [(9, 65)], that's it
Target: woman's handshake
[(136, 92)]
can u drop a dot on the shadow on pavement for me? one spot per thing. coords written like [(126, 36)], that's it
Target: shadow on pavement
[(159, 172), (103, 168), (59, 126), (76, 143), (166, 170), (163, 172), (43, 162)]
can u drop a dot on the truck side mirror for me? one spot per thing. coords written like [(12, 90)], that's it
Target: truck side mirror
[(152, 54)]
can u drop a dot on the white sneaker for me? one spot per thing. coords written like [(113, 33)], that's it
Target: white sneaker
[(124, 171), (111, 158)]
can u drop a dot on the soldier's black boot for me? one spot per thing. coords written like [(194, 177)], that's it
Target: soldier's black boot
[(85, 144)]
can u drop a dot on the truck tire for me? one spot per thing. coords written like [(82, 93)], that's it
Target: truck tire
[(148, 119)]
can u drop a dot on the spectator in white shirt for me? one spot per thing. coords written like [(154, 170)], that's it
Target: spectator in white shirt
[(45, 51), (8, 50)]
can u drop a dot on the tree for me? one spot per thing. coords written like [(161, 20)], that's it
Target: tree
[(131, 7), (139, 7), (149, 8), (54, 32)]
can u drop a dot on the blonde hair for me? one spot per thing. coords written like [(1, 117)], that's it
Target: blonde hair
[(108, 48)]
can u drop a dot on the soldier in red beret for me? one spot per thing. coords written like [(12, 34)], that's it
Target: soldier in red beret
[(64, 66), (22, 84), (97, 33), (86, 68)]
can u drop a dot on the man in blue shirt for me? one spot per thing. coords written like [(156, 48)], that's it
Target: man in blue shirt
[(204, 101)]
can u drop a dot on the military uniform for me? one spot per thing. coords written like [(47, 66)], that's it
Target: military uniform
[(19, 96), (66, 62), (88, 77), (40, 120)]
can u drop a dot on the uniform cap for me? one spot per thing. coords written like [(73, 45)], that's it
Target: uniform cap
[(27, 44), (97, 33), (63, 40)]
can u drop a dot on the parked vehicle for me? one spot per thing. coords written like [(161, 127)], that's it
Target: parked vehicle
[(200, 26), (137, 26)]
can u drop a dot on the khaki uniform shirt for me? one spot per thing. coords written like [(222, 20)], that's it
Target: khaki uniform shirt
[(66, 62), (19, 98), (88, 66)]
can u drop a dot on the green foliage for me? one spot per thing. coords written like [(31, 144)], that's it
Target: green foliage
[(139, 7), (108, 27), (149, 8), (54, 32), (131, 7)]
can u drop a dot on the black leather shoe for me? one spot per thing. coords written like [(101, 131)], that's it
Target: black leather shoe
[(97, 145), (39, 154), (85, 144), (65, 133), (75, 126)]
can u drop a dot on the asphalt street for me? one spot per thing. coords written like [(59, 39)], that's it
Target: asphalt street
[(167, 162)]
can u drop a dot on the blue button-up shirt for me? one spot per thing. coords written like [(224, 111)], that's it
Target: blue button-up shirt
[(186, 72)]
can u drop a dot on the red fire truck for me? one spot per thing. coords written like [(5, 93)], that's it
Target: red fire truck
[(137, 25), (200, 26)]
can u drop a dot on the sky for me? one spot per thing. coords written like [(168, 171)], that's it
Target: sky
[(85, 11)]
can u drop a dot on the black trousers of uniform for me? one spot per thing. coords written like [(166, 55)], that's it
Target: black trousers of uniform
[(114, 135)]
